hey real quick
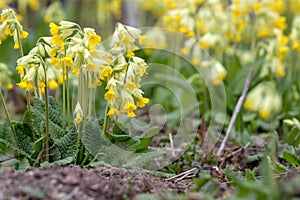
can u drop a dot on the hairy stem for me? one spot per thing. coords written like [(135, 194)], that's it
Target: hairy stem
[(47, 116), (106, 121), (64, 97), (68, 100), (9, 119)]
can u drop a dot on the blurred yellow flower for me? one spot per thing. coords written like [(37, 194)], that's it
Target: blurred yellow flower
[(54, 29), (110, 95), (142, 102), (52, 85), (68, 61)]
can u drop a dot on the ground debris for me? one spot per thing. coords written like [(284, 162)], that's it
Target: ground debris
[(73, 182)]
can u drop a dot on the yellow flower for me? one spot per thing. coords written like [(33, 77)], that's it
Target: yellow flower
[(78, 112), (54, 29), (110, 95), (9, 86), (264, 32), (75, 71), (90, 66), (282, 51), (68, 61), (27, 85), (53, 85), (94, 40), (204, 44), (185, 51), (23, 34), (129, 54), (295, 46), (105, 73), (7, 31), (129, 108), (130, 86), (41, 84), (60, 80), (248, 105), (0, 84), (58, 40), (113, 111), (280, 23), (280, 72), (3, 19), (142, 102), (264, 113), (257, 6), (17, 45), (34, 4), (78, 118), (20, 70)]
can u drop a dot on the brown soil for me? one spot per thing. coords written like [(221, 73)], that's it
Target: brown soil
[(73, 182)]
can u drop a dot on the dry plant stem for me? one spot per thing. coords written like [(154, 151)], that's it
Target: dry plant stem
[(9, 119), (172, 144), (236, 111), (183, 174)]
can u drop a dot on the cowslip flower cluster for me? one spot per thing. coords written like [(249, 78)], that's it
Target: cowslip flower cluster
[(22, 5), (10, 26), (264, 99), (209, 67), (5, 77), (123, 71), (73, 47), (54, 12), (108, 9)]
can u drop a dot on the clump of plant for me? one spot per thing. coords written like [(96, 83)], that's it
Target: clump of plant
[(71, 58)]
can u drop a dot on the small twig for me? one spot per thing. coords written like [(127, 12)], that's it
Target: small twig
[(7, 159), (40, 155), (183, 174), (172, 144), (236, 111), (166, 148)]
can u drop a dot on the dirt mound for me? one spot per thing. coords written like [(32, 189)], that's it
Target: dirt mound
[(73, 182)]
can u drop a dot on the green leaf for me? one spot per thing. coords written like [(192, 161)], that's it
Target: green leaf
[(5, 132), (62, 162), (294, 137), (38, 144), (146, 138), (291, 157), (250, 176), (92, 138), (280, 167), (126, 142), (15, 149), (67, 144)]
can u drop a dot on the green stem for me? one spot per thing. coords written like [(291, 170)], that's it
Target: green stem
[(106, 120), (20, 42), (27, 92), (64, 97), (46, 115), (9, 119), (68, 100), (29, 113)]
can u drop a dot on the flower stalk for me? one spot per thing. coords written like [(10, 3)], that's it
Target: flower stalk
[(47, 115), (9, 119)]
